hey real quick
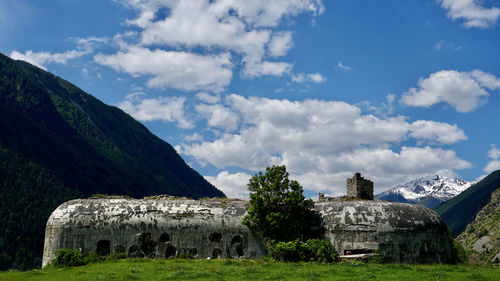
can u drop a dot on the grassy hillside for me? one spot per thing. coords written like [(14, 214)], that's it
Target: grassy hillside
[(58, 143), (177, 269), (462, 209)]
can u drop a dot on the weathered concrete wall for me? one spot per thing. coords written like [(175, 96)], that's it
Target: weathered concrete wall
[(165, 228), (155, 228), (402, 232)]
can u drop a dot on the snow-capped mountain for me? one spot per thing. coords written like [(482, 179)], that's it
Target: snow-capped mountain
[(428, 191)]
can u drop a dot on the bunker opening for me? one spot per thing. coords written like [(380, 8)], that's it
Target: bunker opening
[(134, 252), (119, 249), (216, 253), (148, 246), (164, 237), (170, 252), (103, 247), (348, 252), (237, 246), (215, 237)]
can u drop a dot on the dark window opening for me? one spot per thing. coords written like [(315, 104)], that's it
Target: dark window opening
[(237, 246), (134, 252), (148, 246), (164, 237), (103, 247), (357, 252), (215, 237), (216, 253), (170, 252), (119, 249), (193, 253)]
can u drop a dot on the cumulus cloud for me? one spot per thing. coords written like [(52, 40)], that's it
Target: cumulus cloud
[(308, 78), (167, 109), (247, 31), (494, 164), (436, 132), (207, 98), (280, 44), (218, 116), (177, 69), (324, 142), (85, 46), (233, 185), (472, 12), (41, 59), (464, 91)]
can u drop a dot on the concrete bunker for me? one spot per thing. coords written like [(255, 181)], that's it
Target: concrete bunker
[(168, 228)]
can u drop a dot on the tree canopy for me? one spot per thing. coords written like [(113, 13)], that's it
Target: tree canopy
[(278, 208)]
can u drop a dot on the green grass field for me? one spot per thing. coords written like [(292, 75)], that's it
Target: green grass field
[(179, 269)]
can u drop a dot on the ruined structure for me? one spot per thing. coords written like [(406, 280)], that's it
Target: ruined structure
[(164, 228), (359, 187)]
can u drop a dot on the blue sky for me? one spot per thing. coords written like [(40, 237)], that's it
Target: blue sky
[(392, 89)]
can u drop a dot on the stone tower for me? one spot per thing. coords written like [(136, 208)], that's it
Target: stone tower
[(359, 187)]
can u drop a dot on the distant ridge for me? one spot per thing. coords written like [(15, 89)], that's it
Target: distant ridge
[(462, 209), (428, 191), (57, 143)]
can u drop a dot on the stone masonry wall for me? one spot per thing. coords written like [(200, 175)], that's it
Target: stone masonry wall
[(359, 187)]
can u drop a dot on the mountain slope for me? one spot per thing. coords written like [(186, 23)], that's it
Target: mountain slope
[(59, 142), (481, 238), (428, 191), (462, 209)]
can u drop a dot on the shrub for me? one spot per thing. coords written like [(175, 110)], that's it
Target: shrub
[(116, 256), (312, 250), (68, 257), (94, 258), (458, 253)]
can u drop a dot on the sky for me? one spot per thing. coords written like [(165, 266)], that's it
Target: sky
[(393, 89)]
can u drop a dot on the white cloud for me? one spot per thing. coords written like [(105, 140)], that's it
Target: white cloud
[(262, 68), (249, 30), (464, 91), (85, 46), (193, 137), (494, 164), (324, 142), (280, 44), (233, 185), (167, 109), (181, 70), (444, 45), (494, 153), (41, 59), (218, 116), (472, 12), (307, 78), (342, 66), (436, 132), (486, 80), (206, 97)]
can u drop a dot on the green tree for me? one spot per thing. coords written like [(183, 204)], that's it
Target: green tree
[(278, 208)]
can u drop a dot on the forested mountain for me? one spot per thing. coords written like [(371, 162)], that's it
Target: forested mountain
[(461, 210), (57, 143), (481, 238)]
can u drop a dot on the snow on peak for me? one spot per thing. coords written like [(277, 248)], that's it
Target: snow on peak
[(440, 187)]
